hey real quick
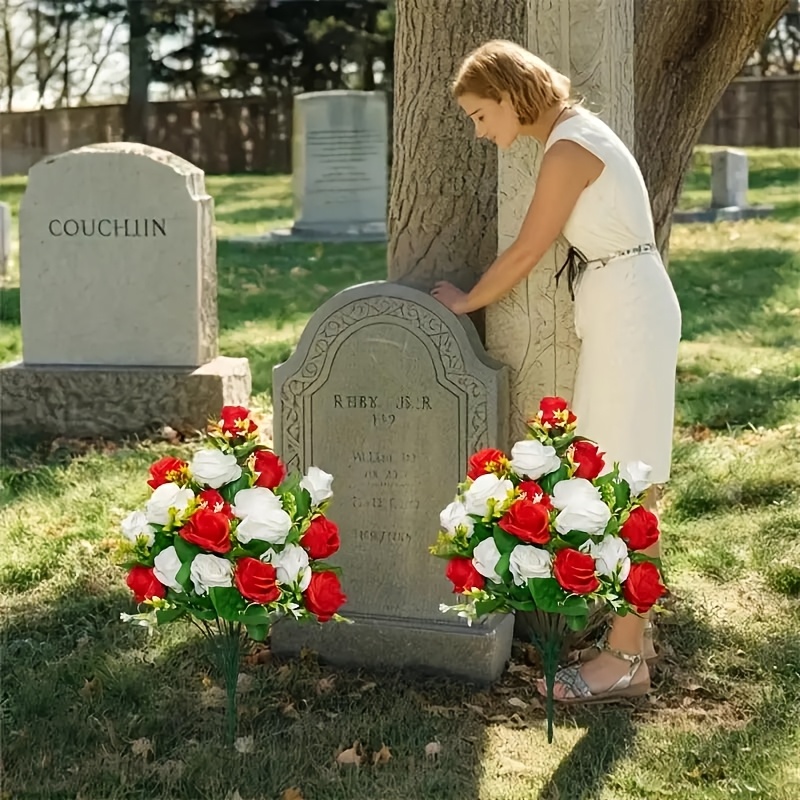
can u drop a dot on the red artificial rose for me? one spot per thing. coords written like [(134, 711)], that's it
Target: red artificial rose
[(534, 492), (462, 572), (165, 470), (588, 459), (640, 530), (324, 596), (270, 470), (643, 586), (143, 583), (322, 538), (528, 521), (552, 412), (484, 462), (236, 421), (214, 501), (575, 571), (210, 530), (256, 580)]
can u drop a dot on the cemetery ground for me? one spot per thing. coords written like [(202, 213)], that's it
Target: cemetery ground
[(92, 708)]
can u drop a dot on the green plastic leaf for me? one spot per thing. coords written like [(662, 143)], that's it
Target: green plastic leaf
[(186, 550), (505, 541), (232, 489), (546, 593), (483, 607), (255, 615), (577, 623), (165, 615), (502, 566), (258, 633), (227, 601), (549, 481), (622, 494)]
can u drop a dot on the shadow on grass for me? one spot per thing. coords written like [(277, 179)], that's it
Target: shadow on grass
[(95, 708), (723, 291), (242, 199), (721, 401)]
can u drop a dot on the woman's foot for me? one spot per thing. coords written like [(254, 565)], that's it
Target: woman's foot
[(610, 675)]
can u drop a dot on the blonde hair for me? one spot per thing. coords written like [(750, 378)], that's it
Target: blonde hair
[(500, 66)]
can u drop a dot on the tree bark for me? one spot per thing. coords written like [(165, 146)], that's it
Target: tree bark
[(686, 53), (443, 206), (139, 74)]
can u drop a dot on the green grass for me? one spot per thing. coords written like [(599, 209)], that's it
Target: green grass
[(92, 708)]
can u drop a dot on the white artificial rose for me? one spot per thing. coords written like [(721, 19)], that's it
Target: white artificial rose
[(291, 565), (454, 517), (166, 566), (582, 507), (136, 525), (486, 488), (485, 557), (272, 525), (212, 467), (167, 496), (209, 571), (318, 484), (637, 475), (528, 561), (256, 502), (611, 557), (532, 459)]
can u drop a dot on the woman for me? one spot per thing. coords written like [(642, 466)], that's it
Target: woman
[(627, 316)]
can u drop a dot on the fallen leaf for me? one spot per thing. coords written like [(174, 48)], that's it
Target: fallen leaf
[(288, 710), (90, 688), (383, 756), (142, 747), (260, 655), (475, 709), (352, 755), (432, 750), (512, 766), (206, 681), (368, 687), (325, 685), (519, 668), (244, 744), (292, 793), (517, 703)]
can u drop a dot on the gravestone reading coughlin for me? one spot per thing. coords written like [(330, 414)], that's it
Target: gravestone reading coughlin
[(118, 294), (391, 393)]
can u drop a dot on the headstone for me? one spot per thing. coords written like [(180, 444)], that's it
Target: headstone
[(339, 168), (5, 237), (729, 183), (118, 297), (118, 260), (729, 177), (391, 393)]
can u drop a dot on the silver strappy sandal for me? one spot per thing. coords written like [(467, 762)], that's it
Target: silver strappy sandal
[(571, 678), (590, 652)]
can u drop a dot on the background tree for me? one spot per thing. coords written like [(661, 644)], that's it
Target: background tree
[(443, 183)]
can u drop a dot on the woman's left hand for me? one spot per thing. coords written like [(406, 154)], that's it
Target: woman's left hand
[(450, 296)]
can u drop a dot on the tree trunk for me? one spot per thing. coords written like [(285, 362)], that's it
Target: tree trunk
[(443, 207), (686, 54), (139, 80)]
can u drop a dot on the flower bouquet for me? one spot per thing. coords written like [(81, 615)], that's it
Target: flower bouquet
[(551, 531), (230, 543)]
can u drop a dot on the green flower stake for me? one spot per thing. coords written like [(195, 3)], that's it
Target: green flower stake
[(231, 544), (548, 533)]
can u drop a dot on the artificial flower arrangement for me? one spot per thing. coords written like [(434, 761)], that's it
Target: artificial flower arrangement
[(231, 543), (553, 531)]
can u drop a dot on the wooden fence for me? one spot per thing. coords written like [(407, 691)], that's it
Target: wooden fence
[(254, 134)]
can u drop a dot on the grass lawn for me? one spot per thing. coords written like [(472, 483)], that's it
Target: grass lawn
[(91, 708)]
